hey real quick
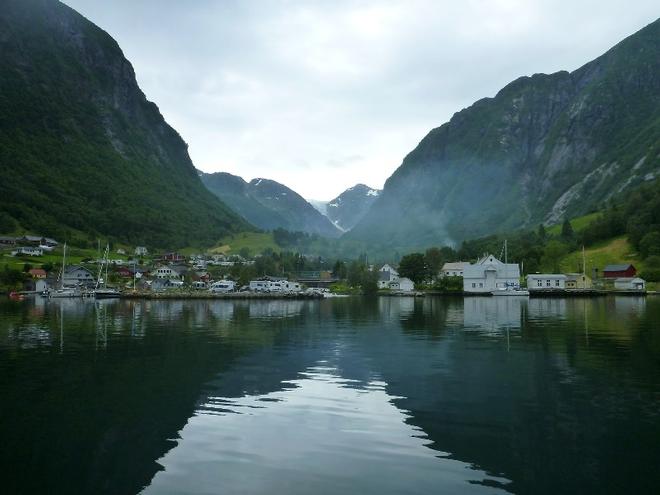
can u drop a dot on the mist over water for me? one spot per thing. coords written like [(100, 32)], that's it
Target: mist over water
[(385, 395)]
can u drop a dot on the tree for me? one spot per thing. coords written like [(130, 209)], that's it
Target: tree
[(650, 244), (434, 260), (339, 270), (552, 254), (651, 271), (542, 232), (567, 230), (414, 267)]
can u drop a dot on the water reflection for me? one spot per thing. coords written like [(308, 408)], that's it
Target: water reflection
[(296, 440), (387, 395)]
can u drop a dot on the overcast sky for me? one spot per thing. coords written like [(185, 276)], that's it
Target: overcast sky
[(323, 95)]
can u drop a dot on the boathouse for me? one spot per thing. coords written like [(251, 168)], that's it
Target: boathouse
[(489, 274)]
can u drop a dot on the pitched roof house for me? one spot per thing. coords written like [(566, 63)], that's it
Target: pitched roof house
[(616, 271)]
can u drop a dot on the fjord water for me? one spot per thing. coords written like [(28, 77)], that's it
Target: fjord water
[(354, 395)]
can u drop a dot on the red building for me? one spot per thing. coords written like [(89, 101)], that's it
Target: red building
[(616, 271), (172, 257)]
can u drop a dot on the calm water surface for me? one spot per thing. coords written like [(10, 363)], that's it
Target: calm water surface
[(382, 396)]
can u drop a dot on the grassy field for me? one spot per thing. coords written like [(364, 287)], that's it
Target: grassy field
[(614, 251), (578, 223), (73, 256), (254, 241)]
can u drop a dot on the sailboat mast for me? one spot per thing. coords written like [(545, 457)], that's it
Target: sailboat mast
[(63, 266)]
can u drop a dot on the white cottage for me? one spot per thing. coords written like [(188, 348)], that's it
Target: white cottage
[(546, 281), (387, 275), (489, 274), (402, 284), (453, 269), (630, 283)]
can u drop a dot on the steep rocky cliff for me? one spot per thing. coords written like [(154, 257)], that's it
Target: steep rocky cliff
[(545, 147), (81, 148)]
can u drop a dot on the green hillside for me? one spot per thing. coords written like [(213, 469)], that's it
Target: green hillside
[(82, 149)]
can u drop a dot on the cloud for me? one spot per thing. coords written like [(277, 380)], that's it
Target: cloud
[(323, 95)]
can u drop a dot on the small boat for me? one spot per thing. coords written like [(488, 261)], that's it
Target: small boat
[(102, 291), (106, 293), (15, 296), (64, 292)]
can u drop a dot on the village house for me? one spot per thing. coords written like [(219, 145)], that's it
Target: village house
[(141, 251), (618, 271), (28, 251), (452, 269), (489, 274), (37, 273), (173, 257), (7, 241), (166, 272), (78, 275), (37, 240), (578, 281), (387, 275), (630, 283), (546, 281), (402, 284)]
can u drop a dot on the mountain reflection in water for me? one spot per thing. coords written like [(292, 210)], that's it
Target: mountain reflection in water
[(389, 395)]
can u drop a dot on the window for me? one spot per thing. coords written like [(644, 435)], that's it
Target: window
[(539, 283), (473, 284), (480, 284), (547, 283), (556, 283)]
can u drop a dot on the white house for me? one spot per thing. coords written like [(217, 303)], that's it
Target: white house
[(453, 269), (166, 272), (630, 283), (403, 284), (78, 275), (386, 275), (223, 286), (546, 281), (28, 251), (141, 251), (489, 274)]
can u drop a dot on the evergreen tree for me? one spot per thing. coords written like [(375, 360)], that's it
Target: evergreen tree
[(567, 230)]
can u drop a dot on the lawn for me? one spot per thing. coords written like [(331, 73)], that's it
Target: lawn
[(254, 241), (578, 223)]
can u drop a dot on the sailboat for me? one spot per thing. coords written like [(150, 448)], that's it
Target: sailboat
[(64, 291), (509, 289), (102, 291)]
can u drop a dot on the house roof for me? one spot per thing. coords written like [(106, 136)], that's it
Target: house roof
[(458, 265), (628, 279), (38, 272), (617, 268)]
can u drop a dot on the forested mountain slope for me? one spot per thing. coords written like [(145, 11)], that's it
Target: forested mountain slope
[(81, 148), (269, 204)]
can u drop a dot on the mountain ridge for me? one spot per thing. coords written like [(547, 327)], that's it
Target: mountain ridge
[(545, 147), (268, 204)]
